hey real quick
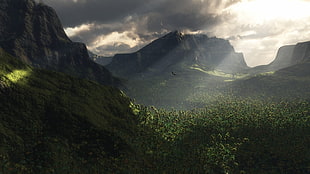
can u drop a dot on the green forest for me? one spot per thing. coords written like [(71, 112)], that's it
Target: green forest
[(52, 123)]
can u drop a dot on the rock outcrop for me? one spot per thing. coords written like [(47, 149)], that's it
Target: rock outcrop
[(100, 59), (33, 32), (178, 49), (291, 55)]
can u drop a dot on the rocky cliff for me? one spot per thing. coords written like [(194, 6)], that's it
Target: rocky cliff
[(291, 55), (33, 32), (178, 49)]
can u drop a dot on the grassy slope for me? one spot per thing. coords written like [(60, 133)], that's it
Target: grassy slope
[(51, 122), (193, 87), (288, 83), (181, 91)]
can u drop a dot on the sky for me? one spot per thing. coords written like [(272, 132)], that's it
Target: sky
[(257, 28)]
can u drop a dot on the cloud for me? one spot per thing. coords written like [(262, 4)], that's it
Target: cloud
[(255, 27), (138, 21), (259, 27)]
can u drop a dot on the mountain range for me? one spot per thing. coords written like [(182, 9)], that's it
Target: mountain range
[(180, 70), (59, 111)]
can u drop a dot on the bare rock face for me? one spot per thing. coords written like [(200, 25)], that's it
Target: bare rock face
[(178, 50), (33, 32), (291, 55)]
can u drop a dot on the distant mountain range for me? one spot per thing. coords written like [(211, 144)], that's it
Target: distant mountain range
[(177, 50), (179, 68), (33, 32)]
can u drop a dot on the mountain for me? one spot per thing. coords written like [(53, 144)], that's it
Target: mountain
[(189, 78), (100, 59), (55, 123), (176, 51), (33, 32), (291, 55), (292, 82), (174, 69), (287, 56)]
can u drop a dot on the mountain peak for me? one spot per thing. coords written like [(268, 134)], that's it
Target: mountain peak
[(176, 48), (175, 34)]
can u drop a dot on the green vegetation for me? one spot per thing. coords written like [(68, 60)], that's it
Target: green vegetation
[(219, 73), (52, 123), (230, 136), (178, 91)]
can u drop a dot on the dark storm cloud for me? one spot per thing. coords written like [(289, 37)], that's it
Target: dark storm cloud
[(144, 19), (113, 26), (73, 13), (177, 13)]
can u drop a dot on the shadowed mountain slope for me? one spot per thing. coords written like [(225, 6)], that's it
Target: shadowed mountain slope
[(291, 55), (177, 51), (34, 33), (287, 56), (292, 82), (55, 123)]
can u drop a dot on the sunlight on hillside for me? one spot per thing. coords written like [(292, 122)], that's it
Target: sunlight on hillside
[(268, 73), (219, 73), (17, 75)]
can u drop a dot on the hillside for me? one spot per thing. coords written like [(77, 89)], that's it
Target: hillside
[(287, 56), (187, 71), (177, 51), (290, 83), (287, 77), (55, 123), (291, 55), (99, 59), (172, 70), (226, 118), (33, 32)]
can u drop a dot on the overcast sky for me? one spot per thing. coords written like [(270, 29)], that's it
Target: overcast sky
[(255, 27)]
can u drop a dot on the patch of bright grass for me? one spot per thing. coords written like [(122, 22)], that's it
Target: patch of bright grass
[(17, 75)]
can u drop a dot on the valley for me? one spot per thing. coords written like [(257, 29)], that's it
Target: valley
[(184, 103)]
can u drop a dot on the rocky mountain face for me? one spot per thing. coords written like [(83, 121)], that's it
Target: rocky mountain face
[(291, 55), (100, 59), (287, 76), (177, 49), (33, 32)]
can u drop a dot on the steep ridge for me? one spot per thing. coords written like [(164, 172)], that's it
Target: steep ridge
[(100, 59), (33, 32), (291, 83), (176, 51), (288, 56), (55, 123), (287, 77)]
